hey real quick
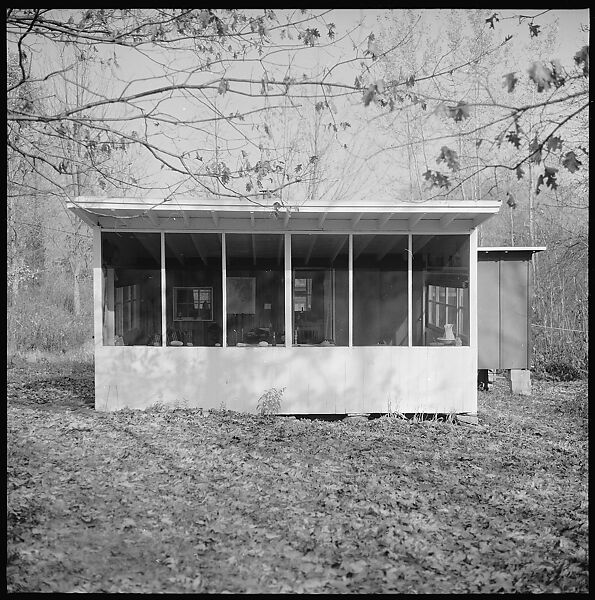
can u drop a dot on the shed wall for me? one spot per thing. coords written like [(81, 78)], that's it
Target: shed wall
[(514, 276), (503, 310)]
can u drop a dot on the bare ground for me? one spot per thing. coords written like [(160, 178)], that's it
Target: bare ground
[(179, 501)]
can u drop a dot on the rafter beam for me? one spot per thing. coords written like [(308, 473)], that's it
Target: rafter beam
[(280, 248), (382, 222), (356, 220), (338, 250), (197, 247), (415, 219), (388, 248), (422, 242), (153, 218), (446, 220), (363, 246), (309, 253)]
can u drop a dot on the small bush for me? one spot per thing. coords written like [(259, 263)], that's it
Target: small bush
[(270, 402), (562, 371)]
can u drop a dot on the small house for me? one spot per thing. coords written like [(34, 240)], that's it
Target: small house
[(342, 309)]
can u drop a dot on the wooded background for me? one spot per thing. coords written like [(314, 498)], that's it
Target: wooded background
[(296, 105)]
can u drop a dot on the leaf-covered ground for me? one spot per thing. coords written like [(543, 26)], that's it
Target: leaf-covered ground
[(178, 501)]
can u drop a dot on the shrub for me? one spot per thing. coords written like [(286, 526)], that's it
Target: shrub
[(562, 371), (35, 324), (270, 402)]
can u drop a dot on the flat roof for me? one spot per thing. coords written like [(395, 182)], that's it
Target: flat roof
[(179, 213)]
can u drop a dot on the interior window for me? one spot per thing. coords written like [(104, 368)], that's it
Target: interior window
[(440, 290), (131, 269), (194, 297), (320, 289), (255, 289)]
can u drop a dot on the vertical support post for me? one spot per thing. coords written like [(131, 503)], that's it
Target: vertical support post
[(163, 295), (223, 291), (288, 298), (350, 278), (109, 324), (473, 344), (410, 290), (97, 290), (529, 304)]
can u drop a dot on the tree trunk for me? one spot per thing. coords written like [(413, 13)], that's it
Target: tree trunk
[(76, 291)]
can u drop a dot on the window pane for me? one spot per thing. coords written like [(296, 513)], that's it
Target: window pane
[(131, 261), (320, 289), (441, 261), (380, 290), (194, 313), (255, 289)]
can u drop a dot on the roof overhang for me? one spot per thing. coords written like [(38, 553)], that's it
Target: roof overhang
[(511, 249), (186, 214)]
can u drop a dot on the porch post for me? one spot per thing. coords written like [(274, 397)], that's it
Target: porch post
[(473, 308), (350, 279), (163, 295), (288, 298), (410, 290), (223, 291), (97, 289)]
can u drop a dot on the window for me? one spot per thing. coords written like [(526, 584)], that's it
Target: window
[(193, 304), (194, 297), (380, 286), (127, 308), (131, 268), (319, 264), (446, 305), (440, 290), (254, 283), (255, 289)]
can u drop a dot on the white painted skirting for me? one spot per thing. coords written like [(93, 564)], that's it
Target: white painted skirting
[(331, 380)]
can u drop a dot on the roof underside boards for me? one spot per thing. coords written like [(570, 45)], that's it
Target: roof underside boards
[(178, 214)]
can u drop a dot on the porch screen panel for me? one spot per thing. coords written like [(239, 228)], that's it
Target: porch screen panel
[(440, 294), (440, 290), (319, 264), (194, 306), (131, 269), (255, 270), (380, 290)]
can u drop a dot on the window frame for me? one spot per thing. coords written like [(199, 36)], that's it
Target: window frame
[(288, 291)]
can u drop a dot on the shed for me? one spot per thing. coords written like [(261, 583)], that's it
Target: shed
[(504, 296), (345, 309)]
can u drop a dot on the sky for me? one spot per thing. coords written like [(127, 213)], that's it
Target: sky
[(358, 143)]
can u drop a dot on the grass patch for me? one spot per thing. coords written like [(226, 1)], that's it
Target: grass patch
[(183, 501)]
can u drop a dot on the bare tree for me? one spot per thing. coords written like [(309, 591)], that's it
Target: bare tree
[(194, 91)]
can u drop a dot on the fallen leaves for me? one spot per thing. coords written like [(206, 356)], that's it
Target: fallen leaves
[(176, 501)]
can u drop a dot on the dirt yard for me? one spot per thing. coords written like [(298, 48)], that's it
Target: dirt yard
[(179, 501)]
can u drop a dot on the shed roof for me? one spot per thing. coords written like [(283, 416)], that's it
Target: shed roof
[(234, 214), (511, 249)]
